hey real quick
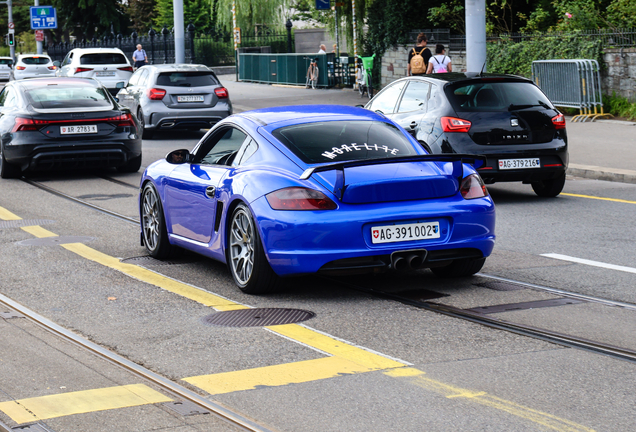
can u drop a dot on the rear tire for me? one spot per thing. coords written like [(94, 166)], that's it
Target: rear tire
[(7, 170), (460, 268), (145, 134), (549, 188), (153, 224), (131, 166)]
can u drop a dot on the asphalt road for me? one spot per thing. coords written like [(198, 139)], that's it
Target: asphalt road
[(364, 362)]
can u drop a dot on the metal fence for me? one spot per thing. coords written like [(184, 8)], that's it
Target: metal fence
[(285, 68), (571, 84)]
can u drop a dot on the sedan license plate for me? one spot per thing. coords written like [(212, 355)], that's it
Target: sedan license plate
[(407, 232), (505, 164), (73, 130), (189, 98), (105, 74)]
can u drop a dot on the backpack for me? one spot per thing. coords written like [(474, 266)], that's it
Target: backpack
[(418, 66), (442, 68)]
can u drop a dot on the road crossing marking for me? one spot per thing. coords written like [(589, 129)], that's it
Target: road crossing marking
[(590, 262), (599, 198), (80, 402)]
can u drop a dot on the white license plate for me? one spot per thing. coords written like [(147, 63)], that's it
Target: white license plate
[(105, 74), (505, 164), (72, 130), (407, 232), (189, 98)]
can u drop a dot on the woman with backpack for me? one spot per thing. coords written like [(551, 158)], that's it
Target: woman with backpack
[(418, 57), (439, 63)]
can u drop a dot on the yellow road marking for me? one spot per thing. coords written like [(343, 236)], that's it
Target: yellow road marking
[(59, 405), (38, 231), (7, 215), (599, 198)]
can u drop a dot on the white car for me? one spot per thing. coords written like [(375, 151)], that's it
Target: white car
[(33, 66), (6, 64), (110, 66)]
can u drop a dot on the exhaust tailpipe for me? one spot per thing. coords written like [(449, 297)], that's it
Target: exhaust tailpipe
[(167, 125), (415, 261)]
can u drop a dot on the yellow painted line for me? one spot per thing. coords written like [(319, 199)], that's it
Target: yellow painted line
[(38, 231), (7, 215), (599, 198), (277, 375), (64, 404), (549, 421)]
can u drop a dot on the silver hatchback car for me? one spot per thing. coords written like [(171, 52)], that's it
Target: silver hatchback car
[(175, 96)]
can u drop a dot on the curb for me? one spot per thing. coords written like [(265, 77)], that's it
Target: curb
[(602, 173)]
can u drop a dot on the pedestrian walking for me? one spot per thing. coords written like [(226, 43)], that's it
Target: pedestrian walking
[(440, 62), (139, 57), (418, 57)]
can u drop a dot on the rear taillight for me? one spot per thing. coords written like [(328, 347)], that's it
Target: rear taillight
[(156, 94), (127, 68), (27, 124), (452, 124), (83, 69), (299, 198), (559, 121), (121, 120), (24, 124), (221, 93), (473, 187), (20, 67), (51, 67)]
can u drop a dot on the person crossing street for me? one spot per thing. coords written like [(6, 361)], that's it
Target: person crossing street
[(139, 57)]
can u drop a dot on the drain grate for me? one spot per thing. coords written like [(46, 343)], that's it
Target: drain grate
[(501, 286), (186, 408), (525, 305), (55, 240), (148, 260), (260, 317), (24, 222)]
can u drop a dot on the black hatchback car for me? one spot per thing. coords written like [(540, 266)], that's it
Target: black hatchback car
[(65, 123), (506, 118)]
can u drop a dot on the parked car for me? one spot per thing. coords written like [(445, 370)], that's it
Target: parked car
[(175, 96), (33, 66), (64, 123), (108, 65), (6, 67), (319, 188), (506, 118)]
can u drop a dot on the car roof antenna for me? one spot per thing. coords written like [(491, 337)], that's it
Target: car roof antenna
[(482, 68)]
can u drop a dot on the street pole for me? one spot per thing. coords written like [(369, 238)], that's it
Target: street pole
[(38, 44), (179, 32), (355, 38), (12, 48), (475, 35)]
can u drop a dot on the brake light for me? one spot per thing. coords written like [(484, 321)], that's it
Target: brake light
[(473, 187), (51, 67), (24, 124), (83, 69), (156, 94), (122, 120), (452, 124), (299, 198), (20, 67), (559, 121), (27, 124), (127, 68), (221, 93)]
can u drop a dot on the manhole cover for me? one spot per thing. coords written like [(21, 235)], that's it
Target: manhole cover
[(258, 317), (148, 260), (501, 286), (55, 241), (24, 222)]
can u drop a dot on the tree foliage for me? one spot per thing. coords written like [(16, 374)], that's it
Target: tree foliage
[(85, 18), (252, 15), (197, 12), (142, 14)]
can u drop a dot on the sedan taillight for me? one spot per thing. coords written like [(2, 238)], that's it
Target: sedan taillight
[(127, 69), (473, 187), (20, 67), (24, 124), (559, 121), (452, 124), (51, 67), (83, 69), (299, 198), (221, 93), (156, 94)]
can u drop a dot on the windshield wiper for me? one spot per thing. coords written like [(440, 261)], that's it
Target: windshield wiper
[(524, 106)]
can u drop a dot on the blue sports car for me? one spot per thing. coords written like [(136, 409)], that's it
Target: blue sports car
[(317, 189)]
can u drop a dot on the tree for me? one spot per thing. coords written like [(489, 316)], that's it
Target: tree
[(253, 14), (85, 18), (197, 12), (142, 14)]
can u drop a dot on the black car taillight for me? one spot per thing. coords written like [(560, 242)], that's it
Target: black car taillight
[(452, 124), (473, 187), (299, 198), (221, 93), (558, 121), (156, 94), (24, 124)]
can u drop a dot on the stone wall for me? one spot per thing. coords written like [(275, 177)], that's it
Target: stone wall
[(394, 62), (309, 40)]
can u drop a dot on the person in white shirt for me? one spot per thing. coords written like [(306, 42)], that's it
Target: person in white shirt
[(323, 49), (439, 63)]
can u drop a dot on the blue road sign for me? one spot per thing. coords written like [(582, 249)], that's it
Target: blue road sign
[(43, 17), (323, 5)]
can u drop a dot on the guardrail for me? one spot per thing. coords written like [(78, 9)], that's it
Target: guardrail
[(572, 84)]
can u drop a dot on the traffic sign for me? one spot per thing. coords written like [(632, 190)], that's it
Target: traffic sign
[(43, 17), (39, 35), (323, 5), (11, 25)]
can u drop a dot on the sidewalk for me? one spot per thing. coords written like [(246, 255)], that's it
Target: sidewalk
[(601, 150)]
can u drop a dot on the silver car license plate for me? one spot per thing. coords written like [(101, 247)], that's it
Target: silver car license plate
[(190, 98), (105, 74), (74, 130)]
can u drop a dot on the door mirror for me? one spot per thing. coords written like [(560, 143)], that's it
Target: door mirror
[(56, 63), (120, 85), (178, 157)]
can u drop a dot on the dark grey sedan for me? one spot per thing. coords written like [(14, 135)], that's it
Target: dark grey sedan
[(175, 96)]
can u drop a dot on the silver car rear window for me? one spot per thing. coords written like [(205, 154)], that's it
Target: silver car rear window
[(35, 60), (103, 58), (186, 79), (58, 96)]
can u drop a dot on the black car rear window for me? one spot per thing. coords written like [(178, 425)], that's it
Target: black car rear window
[(103, 58), (186, 79), (339, 141), (35, 60), (65, 96), (495, 96)]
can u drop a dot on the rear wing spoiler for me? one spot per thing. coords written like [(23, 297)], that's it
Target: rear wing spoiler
[(457, 159)]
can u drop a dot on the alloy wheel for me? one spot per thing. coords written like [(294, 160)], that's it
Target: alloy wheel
[(242, 241), (151, 218)]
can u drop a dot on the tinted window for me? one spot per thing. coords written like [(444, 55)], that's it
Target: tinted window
[(495, 96), (186, 79), (221, 148), (6, 61), (385, 101), (61, 96), (414, 97), (103, 58), (35, 60), (341, 141)]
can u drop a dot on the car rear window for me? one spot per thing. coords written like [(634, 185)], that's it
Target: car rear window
[(6, 61), (495, 96), (186, 79), (65, 96), (340, 141), (35, 60), (103, 58)]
